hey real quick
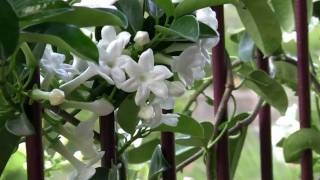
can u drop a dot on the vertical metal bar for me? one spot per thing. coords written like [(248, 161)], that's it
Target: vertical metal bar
[(303, 81), (108, 140), (168, 151), (219, 69), (265, 129), (34, 147)]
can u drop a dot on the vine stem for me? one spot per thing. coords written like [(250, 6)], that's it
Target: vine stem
[(108, 140), (35, 166)]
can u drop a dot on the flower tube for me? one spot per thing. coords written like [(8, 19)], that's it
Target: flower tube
[(55, 97)]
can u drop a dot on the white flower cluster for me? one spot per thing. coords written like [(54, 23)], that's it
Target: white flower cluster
[(152, 83)]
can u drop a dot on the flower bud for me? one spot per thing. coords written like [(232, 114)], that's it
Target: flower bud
[(56, 97), (142, 38)]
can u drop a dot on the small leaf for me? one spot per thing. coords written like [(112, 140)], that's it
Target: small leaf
[(246, 48), (158, 164), (206, 31), (287, 74), (285, 13), (186, 125), (190, 141), (128, 115), (166, 5), (261, 24), (20, 125), (67, 37), (82, 17), (269, 89), (142, 153), (185, 153), (9, 30), (185, 27), (134, 12), (153, 9), (189, 6), (296, 143), (235, 149)]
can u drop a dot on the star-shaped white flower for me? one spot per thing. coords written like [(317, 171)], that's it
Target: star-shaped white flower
[(97, 3), (52, 63), (190, 65), (144, 78)]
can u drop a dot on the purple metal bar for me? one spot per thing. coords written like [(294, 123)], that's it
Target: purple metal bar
[(168, 151), (219, 69), (265, 129), (34, 147), (303, 81), (108, 140)]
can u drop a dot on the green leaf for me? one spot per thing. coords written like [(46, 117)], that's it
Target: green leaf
[(15, 167), (261, 24), (166, 5), (206, 31), (269, 89), (246, 48), (287, 74), (190, 141), (101, 174), (9, 143), (186, 125), (153, 9), (234, 120), (142, 153), (189, 6), (158, 164), (316, 9), (20, 125), (207, 131), (134, 12), (285, 13), (82, 17), (185, 27), (299, 141), (184, 153), (9, 30), (67, 37), (128, 115), (235, 149)]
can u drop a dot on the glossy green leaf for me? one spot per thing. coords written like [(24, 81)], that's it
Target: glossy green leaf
[(207, 131), (9, 143), (153, 9), (285, 13), (166, 5), (286, 74), (128, 115), (158, 164), (142, 153), (185, 27), (206, 31), (190, 141), (269, 89), (261, 24), (246, 48), (299, 141), (235, 149), (186, 125), (185, 153), (134, 12), (9, 30), (82, 17), (67, 37), (189, 6), (20, 125)]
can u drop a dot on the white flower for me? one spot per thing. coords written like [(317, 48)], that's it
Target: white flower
[(208, 17), (55, 97), (91, 71), (189, 65), (109, 34), (83, 171), (79, 64), (101, 107), (152, 116), (52, 63), (144, 78), (142, 38), (111, 59), (82, 138), (97, 3)]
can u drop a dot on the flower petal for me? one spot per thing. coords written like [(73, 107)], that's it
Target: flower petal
[(142, 95), (133, 69), (159, 88), (118, 75), (108, 34), (160, 72), (130, 85), (208, 17), (146, 60)]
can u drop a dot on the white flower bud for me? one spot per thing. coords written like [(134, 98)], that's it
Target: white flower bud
[(142, 38), (56, 97)]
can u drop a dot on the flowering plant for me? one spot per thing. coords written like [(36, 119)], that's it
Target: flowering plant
[(99, 81)]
